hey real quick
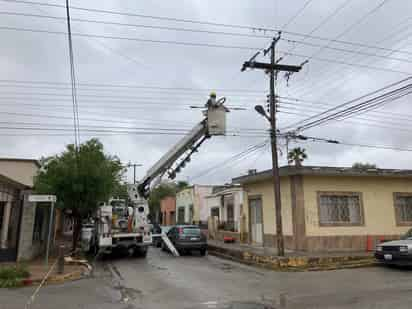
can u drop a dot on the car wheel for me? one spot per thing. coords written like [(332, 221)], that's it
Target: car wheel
[(203, 252)]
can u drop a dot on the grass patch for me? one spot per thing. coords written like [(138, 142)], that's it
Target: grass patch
[(12, 276)]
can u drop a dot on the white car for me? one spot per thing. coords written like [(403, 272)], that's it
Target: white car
[(396, 252)]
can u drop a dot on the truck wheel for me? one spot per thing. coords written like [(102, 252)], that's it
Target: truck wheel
[(140, 252)]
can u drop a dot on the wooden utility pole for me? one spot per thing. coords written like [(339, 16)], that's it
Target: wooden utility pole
[(273, 68), (275, 162)]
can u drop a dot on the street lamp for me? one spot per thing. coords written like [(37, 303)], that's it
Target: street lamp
[(261, 111)]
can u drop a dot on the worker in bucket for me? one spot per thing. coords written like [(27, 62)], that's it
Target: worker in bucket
[(212, 100)]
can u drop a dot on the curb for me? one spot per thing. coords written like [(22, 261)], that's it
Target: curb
[(72, 276), (294, 263)]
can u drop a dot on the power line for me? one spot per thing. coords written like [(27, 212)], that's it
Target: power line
[(231, 159), (193, 44), (104, 22), (385, 39), (73, 82), (378, 116), (348, 51), (105, 85), (372, 103), (298, 13), (351, 101), (199, 31), (252, 28), (351, 26)]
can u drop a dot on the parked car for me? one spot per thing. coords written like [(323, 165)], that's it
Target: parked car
[(157, 240), (187, 238), (396, 252)]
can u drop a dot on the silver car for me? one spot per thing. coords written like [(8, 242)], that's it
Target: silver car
[(396, 252)]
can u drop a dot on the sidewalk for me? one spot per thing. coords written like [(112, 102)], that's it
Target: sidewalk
[(293, 260), (73, 269)]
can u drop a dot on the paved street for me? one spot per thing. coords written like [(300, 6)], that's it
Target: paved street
[(161, 281)]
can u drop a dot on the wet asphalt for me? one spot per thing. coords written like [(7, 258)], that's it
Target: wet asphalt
[(163, 281)]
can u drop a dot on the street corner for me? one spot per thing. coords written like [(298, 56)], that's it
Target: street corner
[(74, 269)]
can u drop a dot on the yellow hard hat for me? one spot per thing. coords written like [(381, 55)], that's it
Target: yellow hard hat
[(213, 94)]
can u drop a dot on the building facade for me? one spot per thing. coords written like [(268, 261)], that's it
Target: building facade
[(329, 208), (168, 210), (226, 203), (23, 225), (191, 204)]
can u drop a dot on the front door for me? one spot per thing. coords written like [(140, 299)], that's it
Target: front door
[(256, 220)]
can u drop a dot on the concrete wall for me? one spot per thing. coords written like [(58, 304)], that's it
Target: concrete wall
[(184, 198), (20, 171), (265, 190), (213, 202), (168, 208), (201, 212), (27, 249), (377, 198)]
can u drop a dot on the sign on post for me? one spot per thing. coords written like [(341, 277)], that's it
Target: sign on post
[(38, 198)]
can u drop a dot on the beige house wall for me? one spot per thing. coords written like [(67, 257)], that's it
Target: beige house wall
[(265, 190), (377, 198), (20, 171)]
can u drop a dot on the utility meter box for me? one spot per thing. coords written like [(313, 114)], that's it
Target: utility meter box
[(216, 120)]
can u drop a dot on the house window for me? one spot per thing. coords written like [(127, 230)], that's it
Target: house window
[(340, 208), (403, 208), (191, 214), (214, 212), (181, 215)]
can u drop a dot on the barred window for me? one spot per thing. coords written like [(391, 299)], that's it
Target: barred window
[(339, 208), (403, 208)]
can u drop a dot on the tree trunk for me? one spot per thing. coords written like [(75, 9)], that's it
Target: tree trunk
[(76, 232)]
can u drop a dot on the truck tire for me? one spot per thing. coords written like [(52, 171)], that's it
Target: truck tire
[(140, 252)]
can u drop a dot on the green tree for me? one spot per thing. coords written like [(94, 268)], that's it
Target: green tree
[(80, 179), (297, 155), (361, 165)]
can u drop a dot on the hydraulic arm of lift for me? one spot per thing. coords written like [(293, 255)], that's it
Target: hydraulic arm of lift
[(213, 124)]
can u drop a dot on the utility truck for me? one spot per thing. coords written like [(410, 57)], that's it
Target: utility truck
[(121, 225)]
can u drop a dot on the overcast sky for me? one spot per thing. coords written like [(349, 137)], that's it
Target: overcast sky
[(44, 107)]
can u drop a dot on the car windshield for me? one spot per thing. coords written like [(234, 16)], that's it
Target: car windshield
[(195, 231)]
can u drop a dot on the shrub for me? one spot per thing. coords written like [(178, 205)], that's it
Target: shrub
[(11, 276)]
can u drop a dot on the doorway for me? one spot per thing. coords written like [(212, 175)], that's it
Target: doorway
[(256, 220)]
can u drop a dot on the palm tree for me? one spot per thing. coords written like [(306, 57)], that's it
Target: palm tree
[(297, 155)]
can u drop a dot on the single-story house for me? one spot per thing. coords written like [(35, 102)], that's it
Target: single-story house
[(23, 225), (226, 203), (168, 210), (226, 213), (329, 208), (191, 205)]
